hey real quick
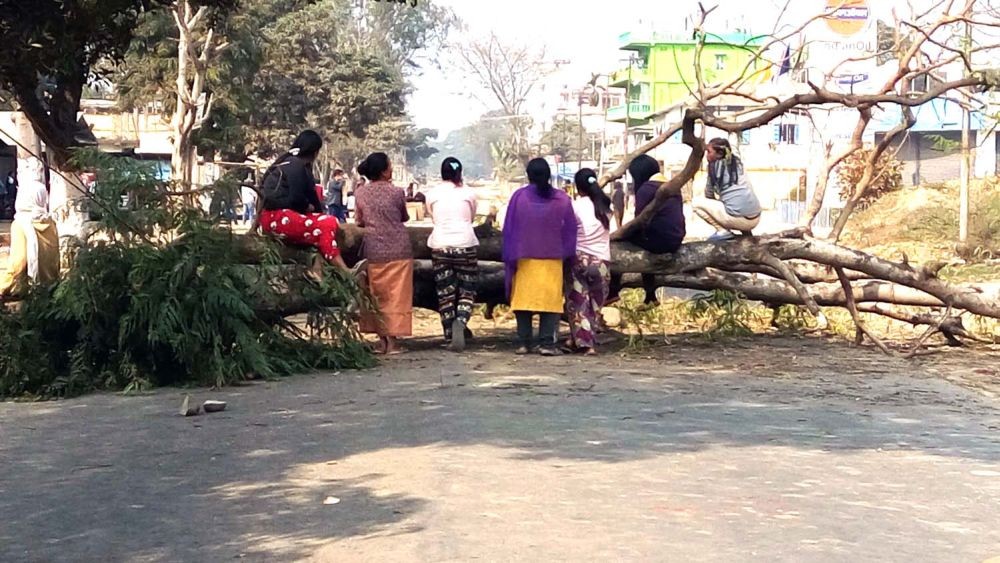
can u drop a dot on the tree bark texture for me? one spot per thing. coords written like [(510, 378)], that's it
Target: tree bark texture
[(734, 265)]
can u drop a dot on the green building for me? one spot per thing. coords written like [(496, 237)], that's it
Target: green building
[(661, 72)]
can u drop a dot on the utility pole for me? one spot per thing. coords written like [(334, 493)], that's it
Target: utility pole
[(966, 170)]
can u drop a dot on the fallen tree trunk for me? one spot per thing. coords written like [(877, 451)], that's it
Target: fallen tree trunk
[(744, 265)]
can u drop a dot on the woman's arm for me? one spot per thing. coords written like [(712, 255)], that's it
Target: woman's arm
[(474, 205), (569, 230), (359, 211), (402, 205)]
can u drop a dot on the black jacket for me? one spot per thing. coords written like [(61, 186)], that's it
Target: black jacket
[(296, 189)]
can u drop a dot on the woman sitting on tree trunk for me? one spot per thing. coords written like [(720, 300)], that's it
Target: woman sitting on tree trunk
[(729, 203), (539, 237), (591, 272), (381, 210), (293, 211), (665, 231)]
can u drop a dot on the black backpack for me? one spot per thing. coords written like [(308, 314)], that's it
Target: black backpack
[(274, 183)]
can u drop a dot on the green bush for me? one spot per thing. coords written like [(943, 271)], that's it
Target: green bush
[(941, 222), (723, 313), (158, 296)]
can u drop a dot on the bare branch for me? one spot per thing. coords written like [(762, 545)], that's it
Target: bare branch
[(852, 307)]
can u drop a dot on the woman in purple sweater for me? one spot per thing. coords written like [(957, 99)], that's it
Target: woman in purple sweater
[(539, 239), (665, 231)]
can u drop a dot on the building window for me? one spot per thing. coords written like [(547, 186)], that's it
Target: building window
[(745, 137), (720, 62), (786, 134), (923, 83)]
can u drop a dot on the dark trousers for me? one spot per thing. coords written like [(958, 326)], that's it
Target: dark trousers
[(619, 216), (548, 324), (456, 273), (338, 211)]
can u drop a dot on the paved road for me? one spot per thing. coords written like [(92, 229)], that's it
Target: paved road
[(443, 458)]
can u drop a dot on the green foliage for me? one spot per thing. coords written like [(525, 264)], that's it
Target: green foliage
[(563, 139), (473, 144), (506, 164), (292, 64), (937, 222), (792, 318), (723, 313), (51, 49), (638, 315), (158, 296), (888, 176)]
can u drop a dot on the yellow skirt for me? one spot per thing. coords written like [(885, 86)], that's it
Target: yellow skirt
[(538, 286), (392, 286)]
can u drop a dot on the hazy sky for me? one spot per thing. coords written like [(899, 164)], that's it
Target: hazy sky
[(571, 30), (585, 32)]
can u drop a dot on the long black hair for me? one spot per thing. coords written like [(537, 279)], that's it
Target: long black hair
[(642, 169), (586, 185), (451, 170), (540, 174), (374, 165), (732, 163), (307, 145)]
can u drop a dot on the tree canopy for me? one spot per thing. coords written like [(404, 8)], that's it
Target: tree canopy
[(51, 49), (292, 65)]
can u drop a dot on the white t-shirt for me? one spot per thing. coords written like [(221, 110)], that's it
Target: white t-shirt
[(248, 195), (591, 236), (452, 209)]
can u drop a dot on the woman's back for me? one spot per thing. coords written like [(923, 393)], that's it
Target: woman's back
[(733, 189), (381, 210), (592, 237), (452, 208), (538, 226)]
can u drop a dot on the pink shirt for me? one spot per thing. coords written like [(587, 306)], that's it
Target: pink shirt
[(452, 209), (591, 236)]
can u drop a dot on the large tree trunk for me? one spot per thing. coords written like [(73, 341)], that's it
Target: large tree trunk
[(193, 103), (736, 265)]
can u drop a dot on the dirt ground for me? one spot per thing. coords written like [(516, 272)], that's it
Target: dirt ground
[(768, 448)]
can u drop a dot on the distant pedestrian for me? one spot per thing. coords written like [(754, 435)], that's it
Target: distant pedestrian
[(414, 195), (618, 203), (334, 197), (34, 240), (248, 197), (730, 203)]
